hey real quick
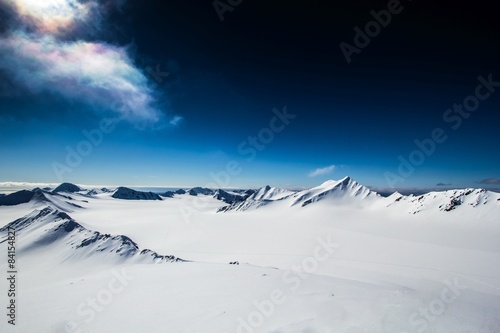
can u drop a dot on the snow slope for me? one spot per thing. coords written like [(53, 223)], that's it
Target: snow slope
[(340, 257), (262, 196), (345, 188)]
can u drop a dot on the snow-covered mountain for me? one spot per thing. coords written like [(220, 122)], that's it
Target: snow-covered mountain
[(344, 191), (130, 194), (271, 193), (96, 191), (50, 225), (349, 192), (343, 258), (201, 190), (336, 192), (346, 188), (446, 200), (261, 197), (229, 197), (20, 197), (67, 187)]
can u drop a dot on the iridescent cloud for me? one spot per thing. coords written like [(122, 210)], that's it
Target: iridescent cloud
[(100, 74), (36, 56), (52, 16)]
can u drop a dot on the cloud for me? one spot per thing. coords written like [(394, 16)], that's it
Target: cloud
[(52, 16), (176, 120), (26, 184), (102, 75), (490, 181), (96, 73), (443, 184), (322, 171)]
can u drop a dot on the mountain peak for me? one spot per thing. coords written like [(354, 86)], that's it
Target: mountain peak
[(130, 194), (346, 180), (344, 188), (270, 193), (67, 187)]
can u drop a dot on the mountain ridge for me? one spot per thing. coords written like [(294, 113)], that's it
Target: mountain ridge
[(343, 191)]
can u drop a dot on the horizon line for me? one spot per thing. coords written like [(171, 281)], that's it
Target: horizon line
[(16, 185)]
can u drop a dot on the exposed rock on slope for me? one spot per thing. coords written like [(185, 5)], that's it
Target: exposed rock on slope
[(129, 194), (67, 187), (21, 197)]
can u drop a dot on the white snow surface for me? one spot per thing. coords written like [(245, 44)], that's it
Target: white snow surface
[(341, 257)]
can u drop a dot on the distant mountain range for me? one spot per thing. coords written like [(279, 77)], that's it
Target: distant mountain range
[(345, 191), (349, 192), (86, 228)]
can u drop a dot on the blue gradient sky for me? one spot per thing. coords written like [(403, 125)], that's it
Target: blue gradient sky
[(225, 79)]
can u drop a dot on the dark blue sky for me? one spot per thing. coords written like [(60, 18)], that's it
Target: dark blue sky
[(224, 80)]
